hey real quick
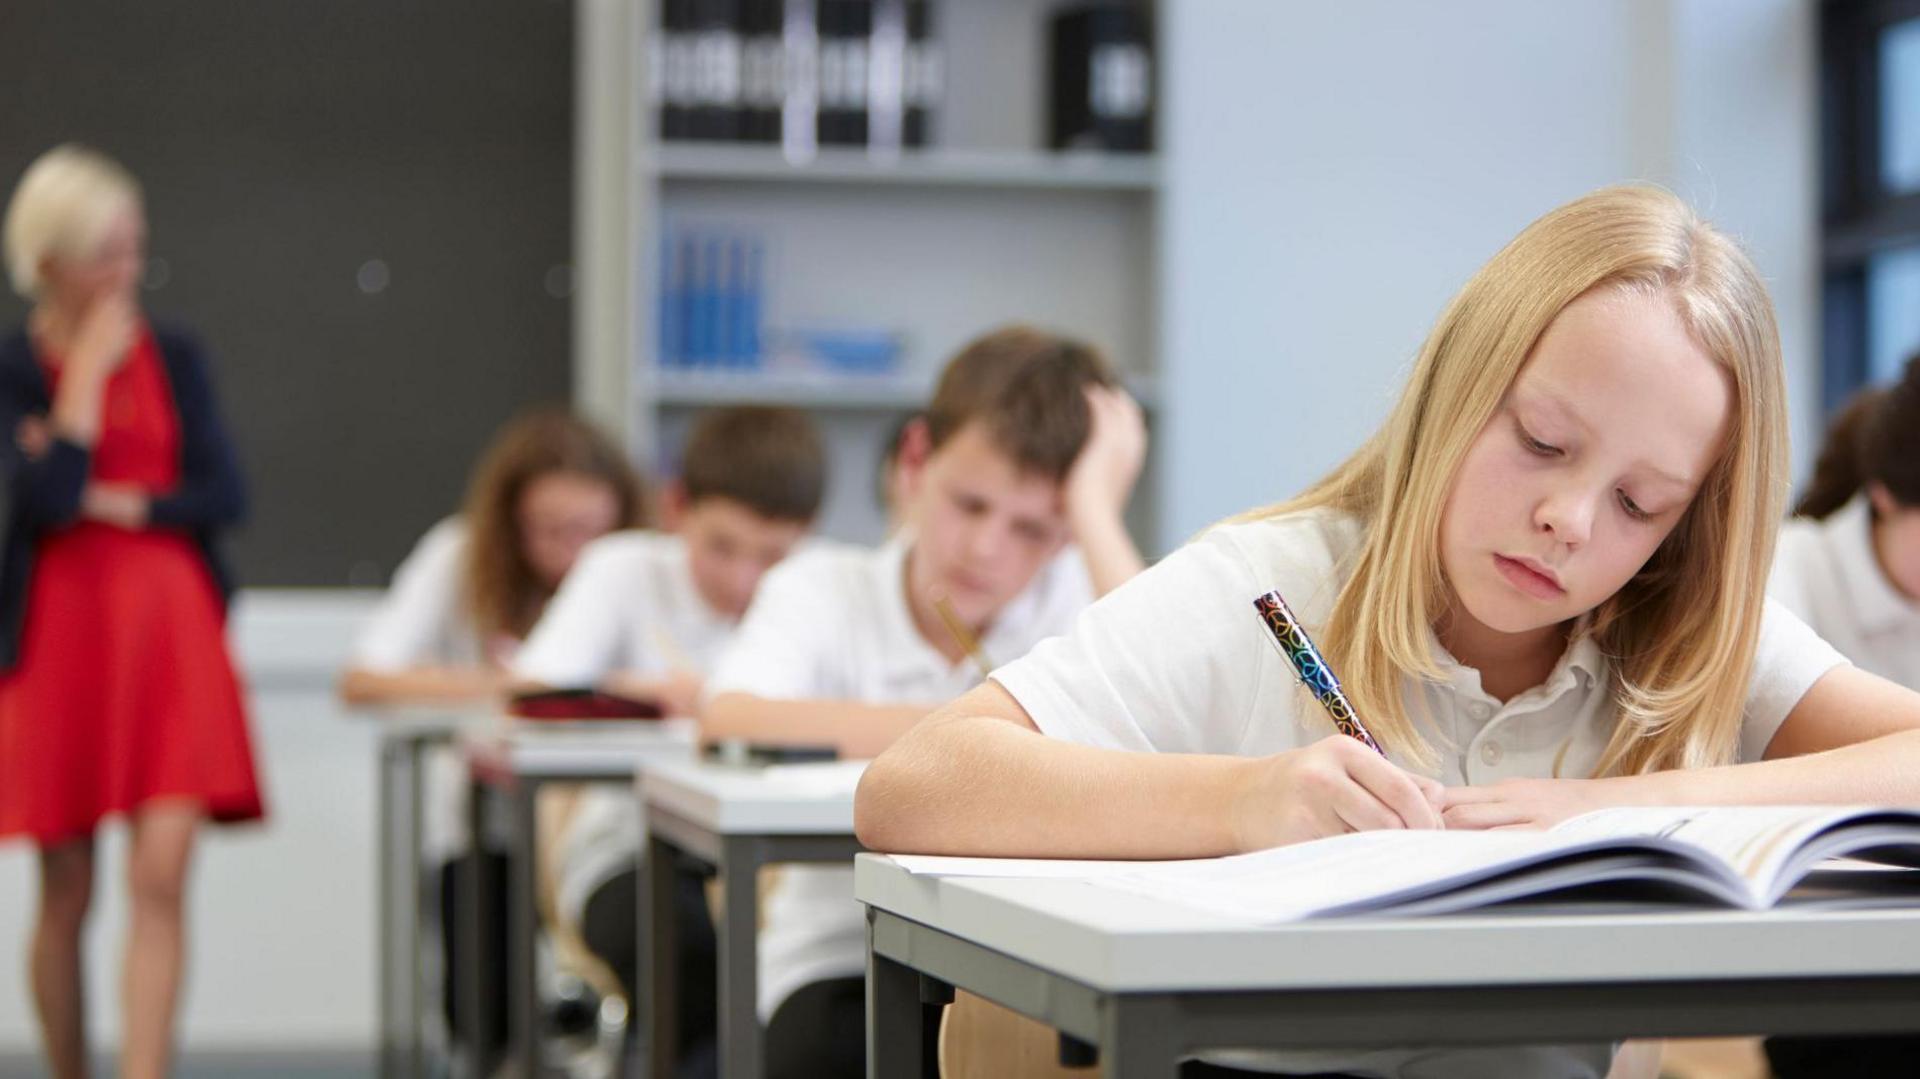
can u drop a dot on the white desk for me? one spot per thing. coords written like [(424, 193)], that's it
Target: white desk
[(1138, 983), (735, 819), (511, 764)]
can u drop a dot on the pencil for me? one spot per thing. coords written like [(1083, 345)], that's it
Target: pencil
[(961, 634)]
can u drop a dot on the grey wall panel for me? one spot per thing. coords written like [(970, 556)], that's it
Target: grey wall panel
[(285, 147)]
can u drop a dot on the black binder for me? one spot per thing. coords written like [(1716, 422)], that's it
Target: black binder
[(1102, 79), (845, 27)]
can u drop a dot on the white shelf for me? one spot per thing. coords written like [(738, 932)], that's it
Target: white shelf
[(1012, 169), (844, 392), (852, 392)]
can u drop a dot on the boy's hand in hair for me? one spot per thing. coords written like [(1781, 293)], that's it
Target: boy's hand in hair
[(1099, 483), (1332, 787), (1103, 475)]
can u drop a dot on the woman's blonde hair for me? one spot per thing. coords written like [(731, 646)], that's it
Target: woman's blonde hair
[(1681, 634), (502, 594), (62, 208)]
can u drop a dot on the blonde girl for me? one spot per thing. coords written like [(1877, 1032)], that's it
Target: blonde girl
[(1542, 582)]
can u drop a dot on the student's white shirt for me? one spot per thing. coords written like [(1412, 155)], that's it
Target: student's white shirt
[(834, 624), (1827, 573), (419, 622), (1177, 661), (629, 605)]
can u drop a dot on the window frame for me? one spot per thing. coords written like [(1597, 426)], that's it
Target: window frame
[(1859, 218)]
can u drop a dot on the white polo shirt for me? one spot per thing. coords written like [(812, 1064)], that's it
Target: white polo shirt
[(420, 621), (1826, 572), (834, 624), (628, 605), (1177, 661)]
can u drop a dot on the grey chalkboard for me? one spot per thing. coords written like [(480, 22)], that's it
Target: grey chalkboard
[(363, 207)]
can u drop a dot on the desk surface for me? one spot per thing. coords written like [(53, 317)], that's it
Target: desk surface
[(596, 749), (1120, 942), (427, 721), (781, 799)]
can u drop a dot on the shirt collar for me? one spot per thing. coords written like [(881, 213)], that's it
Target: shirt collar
[(1582, 664), (1877, 605)]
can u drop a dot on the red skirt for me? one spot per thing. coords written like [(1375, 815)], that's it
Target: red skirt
[(124, 693)]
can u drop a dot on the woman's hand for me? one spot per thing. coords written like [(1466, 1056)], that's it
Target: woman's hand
[(1528, 803), (120, 504), (34, 436), (105, 334), (1331, 787)]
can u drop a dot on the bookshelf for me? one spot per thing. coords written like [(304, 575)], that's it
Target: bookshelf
[(935, 245), (687, 163)]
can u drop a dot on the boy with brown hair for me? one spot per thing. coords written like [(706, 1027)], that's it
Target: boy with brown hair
[(1016, 481), (646, 613)]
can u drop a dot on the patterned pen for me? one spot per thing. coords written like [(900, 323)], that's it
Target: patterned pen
[(1291, 638)]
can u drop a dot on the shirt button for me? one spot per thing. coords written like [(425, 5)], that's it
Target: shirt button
[(1479, 711), (1490, 753)]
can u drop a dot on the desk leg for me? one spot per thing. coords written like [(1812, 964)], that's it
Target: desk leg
[(1139, 1038), (395, 946), (387, 957), (523, 922), (897, 1042), (659, 957), (415, 897), (741, 1043), (475, 993)]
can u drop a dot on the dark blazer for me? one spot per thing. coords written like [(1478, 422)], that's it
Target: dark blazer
[(43, 493)]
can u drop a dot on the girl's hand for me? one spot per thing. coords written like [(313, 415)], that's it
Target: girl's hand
[(119, 504), (1527, 803), (1331, 787)]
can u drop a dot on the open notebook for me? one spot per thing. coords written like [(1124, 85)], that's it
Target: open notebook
[(1743, 856)]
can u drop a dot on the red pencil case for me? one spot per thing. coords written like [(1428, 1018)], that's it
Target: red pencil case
[(581, 704)]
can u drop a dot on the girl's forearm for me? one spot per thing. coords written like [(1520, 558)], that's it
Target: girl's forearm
[(962, 784), (1883, 771)]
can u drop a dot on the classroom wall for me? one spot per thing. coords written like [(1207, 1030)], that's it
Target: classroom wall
[(1328, 187), (1336, 171)]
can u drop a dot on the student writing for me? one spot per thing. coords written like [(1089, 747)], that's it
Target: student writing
[(1541, 583)]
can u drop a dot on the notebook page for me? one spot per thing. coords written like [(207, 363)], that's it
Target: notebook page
[(1754, 842), (1343, 874)]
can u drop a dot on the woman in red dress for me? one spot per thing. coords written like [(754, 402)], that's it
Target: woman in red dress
[(117, 695)]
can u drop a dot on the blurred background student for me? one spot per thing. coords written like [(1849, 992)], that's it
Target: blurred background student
[(646, 614), (1849, 565), (117, 696), (476, 583), (472, 588)]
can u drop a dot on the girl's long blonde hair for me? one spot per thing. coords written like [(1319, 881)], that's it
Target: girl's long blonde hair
[(1681, 634)]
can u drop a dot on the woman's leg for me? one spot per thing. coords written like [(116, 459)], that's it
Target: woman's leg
[(66, 890), (163, 835)]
